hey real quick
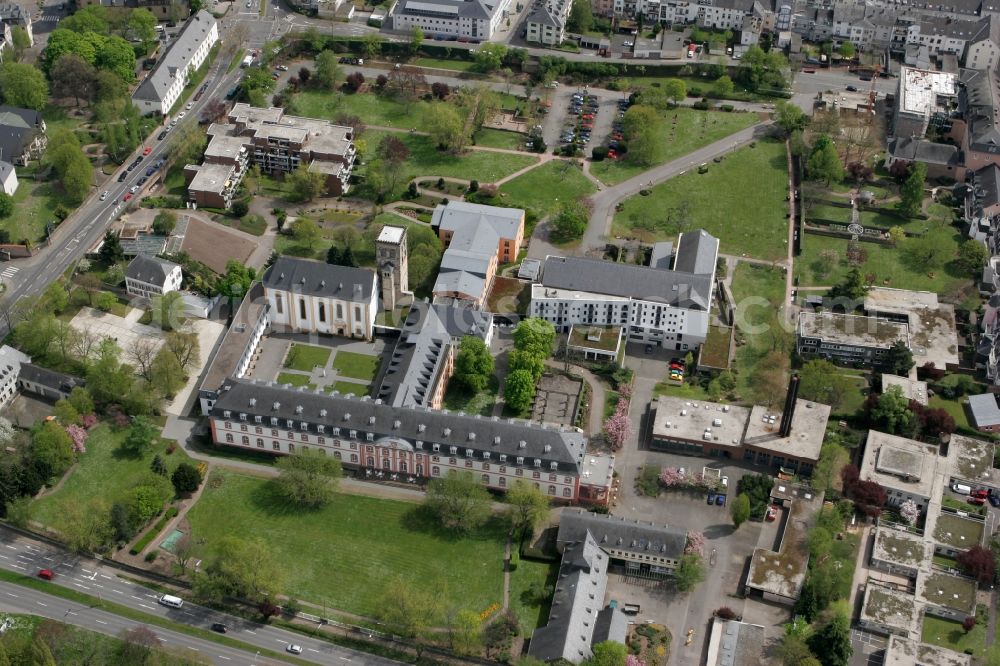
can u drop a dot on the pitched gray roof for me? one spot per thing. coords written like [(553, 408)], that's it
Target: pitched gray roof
[(614, 532), (697, 252), (176, 59), (421, 350), (458, 214), (40, 376), (985, 411), (403, 425), (919, 150), (578, 597), (473, 9), (628, 281), (5, 170), (315, 278), (149, 269), (542, 16), (988, 180)]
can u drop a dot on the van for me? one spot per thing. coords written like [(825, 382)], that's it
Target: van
[(173, 602), (961, 489)]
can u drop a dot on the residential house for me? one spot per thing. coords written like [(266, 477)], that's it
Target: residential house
[(546, 24), (477, 239), (8, 178), (665, 307), (148, 276), (14, 15), (11, 362), (46, 383), (314, 297), (985, 412), (923, 96), (22, 135), (471, 20), (161, 89)]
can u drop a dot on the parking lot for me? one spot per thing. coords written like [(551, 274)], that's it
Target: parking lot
[(562, 117)]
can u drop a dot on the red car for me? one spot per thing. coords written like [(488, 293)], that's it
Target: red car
[(771, 513), (127, 197), (46, 574), (978, 501), (980, 493), (147, 150)]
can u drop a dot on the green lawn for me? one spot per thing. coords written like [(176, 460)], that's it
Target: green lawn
[(440, 63), (759, 292), (828, 212), (295, 379), (426, 160), (686, 131), (890, 265), (356, 366), (955, 408), (381, 110), (306, 357), (345, 553), (950, 634), (458, 399), (494, 138), (101, 472), (351, 387), (546, 188), (740, 200), (34, 203), (526, 580), (251, 224)]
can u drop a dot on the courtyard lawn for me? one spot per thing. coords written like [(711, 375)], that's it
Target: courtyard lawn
[(379, 110), (494, 138), (350, 387), (956, 408), (759, 292), (347, 552), (531, 584), (426, 160), (440, 63), (35, 203), (459, 399), (950, 634), (546, 188), (306, 357), (295, 379), (356, 366), (741, 201), (331, 224), (686, 131), (888, 264), (102, 472)]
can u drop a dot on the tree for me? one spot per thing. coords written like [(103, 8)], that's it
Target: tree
[(823, 382), (911, 193), (328, 72), (184, 346), (72, 76), (447, 128), (832, 458), (52, 447), (489, 57), (675, 90), (898, 359), (306, 185), (535, 335), (832, 642), (789, 116), (142, 26), (243, 568), (642, 126), (186, 478), (408, 610), (140, 436), (824, 162), (138, 643), (723, 87), (689, 573), (519, 390), (740, 509), (891, 413), (23, 85), (459, 501), (529, 507), (473, 364), (618, 427), (86, 528), (909, 512), (306, 231), (969, 623), (393, 153), (416, 39), (20, 42), (581, 17), (853, 287), (164, 222), (972, 256), (236, 281), (847, 50), (979, 563), (308, 478), (569, 224), (39, 654)]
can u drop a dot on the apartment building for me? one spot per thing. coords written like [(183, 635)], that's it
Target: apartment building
[(163, 86), (148, 276), (477, 239), (421, 443), (546, 24), (665, 307), (11, 361), (474, 20), (923, 96), (314, 297), (22, 135)]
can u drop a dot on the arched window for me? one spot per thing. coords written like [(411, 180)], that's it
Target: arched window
[(371, 461), (435, 471), (402, 467), (420, 470), (386, 463), (552, 490)]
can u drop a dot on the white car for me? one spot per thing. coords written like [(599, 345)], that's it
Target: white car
[(627, 43), (725, 482), (189, 105), (104, 195), (180, 116), (293, 648), (134, 189)]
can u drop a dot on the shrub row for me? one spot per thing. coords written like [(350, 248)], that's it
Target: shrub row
[(141, 544)]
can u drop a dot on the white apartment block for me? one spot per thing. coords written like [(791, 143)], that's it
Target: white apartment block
[(160, 90), (10, 369), (546, 24), (314, 297), (475, 19)]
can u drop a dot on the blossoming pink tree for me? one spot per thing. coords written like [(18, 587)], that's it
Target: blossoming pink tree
[(671, 477), (909, 512), (695, 543), (79, 437), (633, 660), (617, 427)]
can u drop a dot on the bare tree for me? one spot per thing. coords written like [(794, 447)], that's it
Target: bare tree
[(183, 552), (64, 338), (139, 642), (85, 343), (184, 346), (142, 353)]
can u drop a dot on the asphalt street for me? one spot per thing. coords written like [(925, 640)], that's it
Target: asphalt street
[(27, 557)]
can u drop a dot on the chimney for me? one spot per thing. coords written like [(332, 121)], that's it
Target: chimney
[(789, 411)]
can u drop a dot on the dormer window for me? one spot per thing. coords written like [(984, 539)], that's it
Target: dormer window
[(468, 453), (243, 417), (421, 427), (370, 436), (436, 447), (472, 436), (453, 450), (520, 460), (503, 457), (486, 455), (354, 434), (538, 462), (447, 432), (226, 414), (371, 420), (303, 425), (419, 445), (554, 465)]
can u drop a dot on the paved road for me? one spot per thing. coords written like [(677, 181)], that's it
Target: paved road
[(27, 556)]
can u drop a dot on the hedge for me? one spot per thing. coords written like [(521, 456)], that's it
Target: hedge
[(141, 544)]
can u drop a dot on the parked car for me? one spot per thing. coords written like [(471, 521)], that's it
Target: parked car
[(121, 178), (725, 481), (219, 627), (993, 498), (46, 574), (104, 195), (720, 499), (147, 150), (127, 197), (161, 135), (852, 89), (150, 170), (982, 493), (134, 188), (142, 181), (711, 498), (294, 649), (771, 513), (976, 501)]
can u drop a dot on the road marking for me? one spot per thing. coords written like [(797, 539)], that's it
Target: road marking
[(280, 641), (18, 566), (9, 273), (343, 658), (222, 656), (49, 559), (149, 607), (118, 591), (11, 594), (251, 631), (108, 577), (98, 585), (193, 648), (100, 621), (83, 587), (12, 547), (40, 603), (137, 598), (4, 557)]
